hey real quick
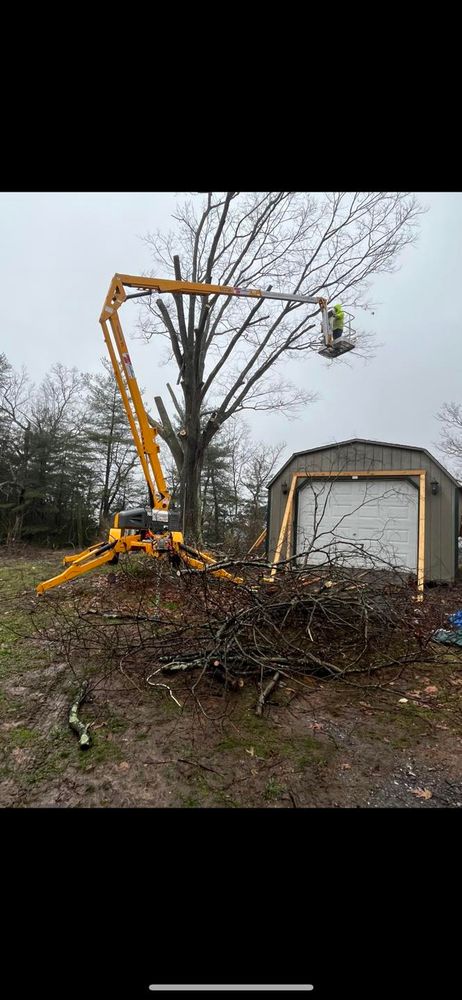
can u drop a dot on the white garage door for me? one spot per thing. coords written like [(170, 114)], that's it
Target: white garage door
[(358, 520)]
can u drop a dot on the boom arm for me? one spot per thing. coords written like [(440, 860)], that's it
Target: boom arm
[(168, 543), (144, 435)]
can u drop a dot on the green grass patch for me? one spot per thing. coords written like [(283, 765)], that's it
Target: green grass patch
[(260, 739), (273, 790), (22, 737)]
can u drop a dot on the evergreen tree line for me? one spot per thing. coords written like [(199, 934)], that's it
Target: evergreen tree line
[(68, 463)]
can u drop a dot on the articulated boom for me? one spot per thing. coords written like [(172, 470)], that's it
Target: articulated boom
[(155, 532)]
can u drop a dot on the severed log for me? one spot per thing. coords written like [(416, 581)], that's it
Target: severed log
[(219, 670), (222, 673), (79, 728), (264, 694), (174, 665)]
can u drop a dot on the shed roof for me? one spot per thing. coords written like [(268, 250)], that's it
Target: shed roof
[(383, 444)]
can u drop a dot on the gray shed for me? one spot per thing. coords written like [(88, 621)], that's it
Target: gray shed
[(394, 497)]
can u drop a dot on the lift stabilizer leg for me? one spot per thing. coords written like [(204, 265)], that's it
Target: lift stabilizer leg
[(201, 560), (80, 555), (93, 557)]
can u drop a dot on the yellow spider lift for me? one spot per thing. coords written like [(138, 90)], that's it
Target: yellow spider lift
[(154, 530)]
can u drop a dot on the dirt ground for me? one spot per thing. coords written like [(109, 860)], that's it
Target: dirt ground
[(326, 744)]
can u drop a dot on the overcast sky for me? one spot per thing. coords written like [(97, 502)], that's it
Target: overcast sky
[(58, 253)]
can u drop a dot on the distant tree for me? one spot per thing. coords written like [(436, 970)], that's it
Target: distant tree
[(450, 443), (15, 429), (47, 494), (6, 446), (5, 369), (261, 465), (117, 478), (236, 472), (217, 490)]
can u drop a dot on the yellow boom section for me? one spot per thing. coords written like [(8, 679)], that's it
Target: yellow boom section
[(144, 436)]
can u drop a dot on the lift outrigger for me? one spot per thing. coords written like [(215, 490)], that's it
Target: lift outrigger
[(155, 530)]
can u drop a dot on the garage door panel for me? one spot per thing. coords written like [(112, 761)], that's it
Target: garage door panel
[(357, 520)]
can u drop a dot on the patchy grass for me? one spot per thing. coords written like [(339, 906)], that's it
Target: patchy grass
[(319, 748), (102, 751), (21, 737), (273, 790), (258, 738)]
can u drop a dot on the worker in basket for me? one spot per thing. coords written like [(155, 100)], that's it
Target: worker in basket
[(336, 319)]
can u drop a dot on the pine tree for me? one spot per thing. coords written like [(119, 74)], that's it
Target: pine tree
[(117, 479)]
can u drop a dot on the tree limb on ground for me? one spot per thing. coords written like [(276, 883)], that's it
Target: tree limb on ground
[(79, 728), (264, 694)]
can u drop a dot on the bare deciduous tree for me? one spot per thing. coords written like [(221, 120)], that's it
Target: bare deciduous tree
[(229, 354), (450, 442)]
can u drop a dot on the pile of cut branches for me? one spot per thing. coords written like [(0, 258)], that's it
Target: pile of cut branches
[(325, 623)]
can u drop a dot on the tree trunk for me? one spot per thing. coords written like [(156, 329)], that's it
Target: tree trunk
[(190, 491), (79, 526), (216, 509), (193, 448), (17, 530), (204, 501), (104, 505)]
